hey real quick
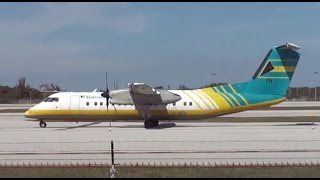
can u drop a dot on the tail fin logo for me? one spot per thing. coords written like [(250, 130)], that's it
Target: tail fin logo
[(267, 69), (280, 63)]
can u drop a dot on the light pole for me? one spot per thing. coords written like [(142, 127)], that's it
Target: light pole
[(30, 92), (315, 88)]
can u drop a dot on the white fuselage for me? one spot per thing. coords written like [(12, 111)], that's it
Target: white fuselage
[(91, 106), (87, 106)]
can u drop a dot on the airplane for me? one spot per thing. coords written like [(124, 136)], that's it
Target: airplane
[(139, 101)]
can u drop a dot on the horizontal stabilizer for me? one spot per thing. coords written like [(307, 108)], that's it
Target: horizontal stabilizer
[(291, 46)]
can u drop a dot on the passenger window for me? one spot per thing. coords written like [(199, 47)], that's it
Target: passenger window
[(95, 103), (87, 103), (174, 104), (190, 103), (185, 103)]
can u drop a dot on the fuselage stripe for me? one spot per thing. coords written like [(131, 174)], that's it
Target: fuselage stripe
[(230, 95), (238, 94), (218, 99), (209, 99), (224, 96), (235, 96), (203, 99), (192, 99)]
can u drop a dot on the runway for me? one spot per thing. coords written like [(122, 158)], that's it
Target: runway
[(172, 143), (275, 113)]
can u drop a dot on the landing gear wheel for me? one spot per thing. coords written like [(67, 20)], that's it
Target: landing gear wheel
[(42, 124), (156, 123), (150, 123), (147, 124)]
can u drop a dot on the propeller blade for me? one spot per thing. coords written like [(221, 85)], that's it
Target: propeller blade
[(107, 91)]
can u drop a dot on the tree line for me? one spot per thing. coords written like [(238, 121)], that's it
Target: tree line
[(23, 91)]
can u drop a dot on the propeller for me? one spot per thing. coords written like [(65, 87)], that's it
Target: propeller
[(106, 93)]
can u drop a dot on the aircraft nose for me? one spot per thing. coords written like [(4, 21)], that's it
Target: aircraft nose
[(27, 113)]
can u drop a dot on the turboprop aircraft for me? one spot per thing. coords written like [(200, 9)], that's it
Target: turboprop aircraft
[(139, 101)]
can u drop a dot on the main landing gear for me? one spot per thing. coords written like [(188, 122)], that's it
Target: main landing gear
[(42, 124), (150, 123)]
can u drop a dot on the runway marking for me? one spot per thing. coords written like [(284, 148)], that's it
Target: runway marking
[(165, 152)]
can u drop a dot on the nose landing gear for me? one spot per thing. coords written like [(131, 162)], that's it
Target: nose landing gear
[(42, 124)]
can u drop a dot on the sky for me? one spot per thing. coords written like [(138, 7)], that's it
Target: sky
[(73, 45)]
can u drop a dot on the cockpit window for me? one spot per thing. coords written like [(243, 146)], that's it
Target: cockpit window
[(46, 100), (51, 100)]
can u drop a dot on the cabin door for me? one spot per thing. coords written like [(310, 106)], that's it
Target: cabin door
[(75, 102)]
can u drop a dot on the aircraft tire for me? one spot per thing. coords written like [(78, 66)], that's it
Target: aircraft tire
[(150, 123), (43, 124), (146, 124)]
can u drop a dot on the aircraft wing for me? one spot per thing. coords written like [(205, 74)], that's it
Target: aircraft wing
[(142, 94)]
